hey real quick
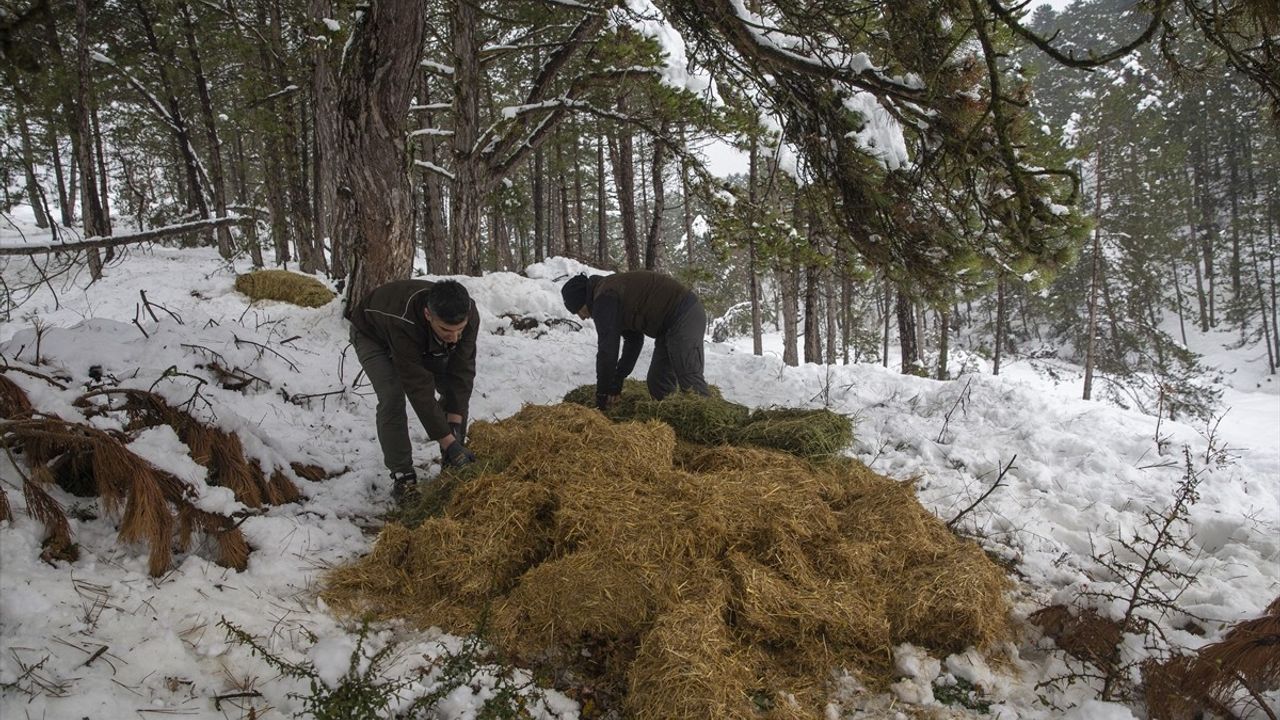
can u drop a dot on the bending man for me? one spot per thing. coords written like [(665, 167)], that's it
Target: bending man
[(415, 339), (626, 307)]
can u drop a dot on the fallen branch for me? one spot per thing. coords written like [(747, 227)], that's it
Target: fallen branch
[(110, 241), (999, 480)]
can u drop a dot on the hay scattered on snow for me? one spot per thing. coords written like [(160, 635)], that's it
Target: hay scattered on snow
[(711, 578), (285, 286)]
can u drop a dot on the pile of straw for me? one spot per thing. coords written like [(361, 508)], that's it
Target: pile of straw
[(706, 581), (285, 286), (713, 420)]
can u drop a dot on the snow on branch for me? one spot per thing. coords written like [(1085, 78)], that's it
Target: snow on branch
[(437, 67), (432, 167), (436, 132)]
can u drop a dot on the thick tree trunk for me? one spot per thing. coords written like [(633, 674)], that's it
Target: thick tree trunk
[(375, 207), (944, 344), (812, 312), (829, 307), (753, 278), (886, 313), (216, 183), (65, 210)]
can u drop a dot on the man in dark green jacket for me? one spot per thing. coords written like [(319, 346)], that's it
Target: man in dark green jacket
[(415, 339), (626, 307)]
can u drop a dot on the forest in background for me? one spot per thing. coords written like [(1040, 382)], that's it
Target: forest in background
[(931, 173)]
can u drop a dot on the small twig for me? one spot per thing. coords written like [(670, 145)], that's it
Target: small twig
[(217, 699), (147, 303), (259, 345), (300, 399), (7, 367), (97, 654), (962, 401), (137, 311), (999, 480)]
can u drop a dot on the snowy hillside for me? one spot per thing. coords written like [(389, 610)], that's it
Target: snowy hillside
[(100, 638)]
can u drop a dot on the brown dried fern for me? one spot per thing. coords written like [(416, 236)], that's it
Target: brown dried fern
[(42, 507), (13, 401)]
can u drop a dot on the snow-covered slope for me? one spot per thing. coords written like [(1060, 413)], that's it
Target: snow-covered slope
[(1083, 472)]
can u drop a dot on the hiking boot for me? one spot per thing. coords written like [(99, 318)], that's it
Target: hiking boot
[(403, 485)]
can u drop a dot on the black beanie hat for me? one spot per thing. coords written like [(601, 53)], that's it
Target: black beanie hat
[(575, 292)]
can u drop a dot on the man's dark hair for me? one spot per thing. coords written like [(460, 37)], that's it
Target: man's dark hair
[(448, 300)]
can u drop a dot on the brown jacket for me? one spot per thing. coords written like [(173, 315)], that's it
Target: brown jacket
[(392, 314), (626, 307)]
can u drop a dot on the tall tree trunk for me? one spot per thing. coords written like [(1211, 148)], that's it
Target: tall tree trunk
[(907, 334), (375, 206), (846, 311), (175, 121), (789, 289), (812, 317), (324, 108), (28, 154), (99, 155), (944, 344), (466, 197), (621, 152), (753, 280), (216, 183), (95, 224), (65, 211), (1091, 332), (579, 213), (243, 199), (566, 245), (653, 243), (1001, 321), (539, 207), (301, 231), (886, 313), (1233, 190), (687, 210), (1193, 244), (434, 228), (1177, 292), (829, 305), (602, 208)]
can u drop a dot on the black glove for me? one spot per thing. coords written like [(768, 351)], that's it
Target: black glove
[(457, 455), (459, 431)]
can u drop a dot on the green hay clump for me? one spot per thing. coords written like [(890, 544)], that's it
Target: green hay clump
[(285, 286), (633, 392), (807, 433), (695, 418)]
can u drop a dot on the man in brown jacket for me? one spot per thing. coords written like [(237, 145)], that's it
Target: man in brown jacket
[(626, 307), (414, 339)]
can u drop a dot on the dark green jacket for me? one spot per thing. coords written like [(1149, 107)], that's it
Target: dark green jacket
[(393, 315), (626, 307)]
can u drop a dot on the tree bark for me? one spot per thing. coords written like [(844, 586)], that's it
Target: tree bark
[(907, 334), (1001, 323), (375, 206), (653, 242), (324, 91), (435, 229), (753, 279), (217, 185), (602, 208), (91, 207), (944, 344), (539, 207), (28, 155), (467, 196), (789, 288), (624, 182), (812, 312)]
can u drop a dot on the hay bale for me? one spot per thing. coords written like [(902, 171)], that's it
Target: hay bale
[(807, 433), (285, 286)]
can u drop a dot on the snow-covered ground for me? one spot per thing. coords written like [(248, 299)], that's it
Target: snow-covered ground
[(1084, 472)]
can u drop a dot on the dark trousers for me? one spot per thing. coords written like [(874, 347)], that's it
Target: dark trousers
[(392, 423), (677, 355)]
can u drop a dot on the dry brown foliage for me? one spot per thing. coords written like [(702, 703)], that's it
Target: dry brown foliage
[(219, 451), (707, 582), (13, 401), (1081, 633), (144, 497)]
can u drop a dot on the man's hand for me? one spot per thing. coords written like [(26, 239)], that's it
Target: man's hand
[(456, 455), (604, 401), (459, 431)]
